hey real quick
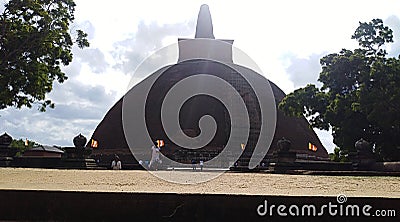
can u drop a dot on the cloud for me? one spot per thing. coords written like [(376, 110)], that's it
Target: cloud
[(326, 139), (42, 127), (2, 6), (87, 27), (94, 58), (75, 100), (91, 56), (73, 69), (148, 38), (303, 71), (79, 108), (394, 23)]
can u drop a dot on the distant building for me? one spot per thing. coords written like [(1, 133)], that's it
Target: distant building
[(43, 151)]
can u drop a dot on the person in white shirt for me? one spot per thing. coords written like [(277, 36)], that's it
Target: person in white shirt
[(201, 165), (116, 163), (155, 157)]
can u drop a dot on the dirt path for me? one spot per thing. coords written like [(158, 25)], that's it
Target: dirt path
[(229, 183)]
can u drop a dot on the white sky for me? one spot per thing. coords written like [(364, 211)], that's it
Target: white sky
[(285, 38)]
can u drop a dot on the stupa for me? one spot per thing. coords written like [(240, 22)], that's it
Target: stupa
[(110, 138)]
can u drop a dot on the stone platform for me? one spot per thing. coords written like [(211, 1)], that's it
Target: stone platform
[(104, 206), (56, 194)]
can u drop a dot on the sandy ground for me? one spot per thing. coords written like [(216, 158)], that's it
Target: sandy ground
[(228, 183)]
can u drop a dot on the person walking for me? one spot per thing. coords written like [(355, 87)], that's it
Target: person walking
[(155, 157)]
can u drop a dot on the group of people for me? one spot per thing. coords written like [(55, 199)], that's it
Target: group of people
[(194, 164), (155, 161), (116, 164)]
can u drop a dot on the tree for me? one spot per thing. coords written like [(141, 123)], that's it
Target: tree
[(360, 95), (22, 145), (35, 42), (337, 156)]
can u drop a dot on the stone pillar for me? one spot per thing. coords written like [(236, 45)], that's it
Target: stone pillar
[(363, 158), (77, 157), (80, 141), (283, 154), (283, 158), (79, 151)]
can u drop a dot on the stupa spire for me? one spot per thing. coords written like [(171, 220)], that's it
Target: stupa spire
[(204, 27)]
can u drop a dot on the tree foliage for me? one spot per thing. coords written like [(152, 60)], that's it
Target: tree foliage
[(360, 95), (35, 41), (22, 145), (338, 156)]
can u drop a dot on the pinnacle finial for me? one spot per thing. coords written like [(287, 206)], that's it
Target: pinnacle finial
[(204, 27)]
